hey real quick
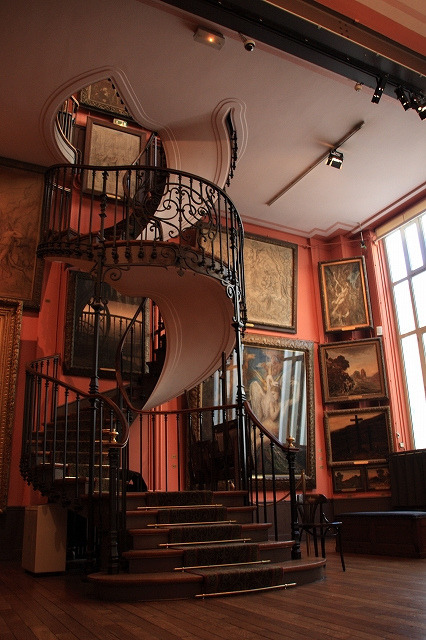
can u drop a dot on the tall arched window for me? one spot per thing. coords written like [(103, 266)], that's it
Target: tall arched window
[(405, 248)]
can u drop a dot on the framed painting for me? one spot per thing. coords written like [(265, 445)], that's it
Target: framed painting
[(10, 333), (278, 375), (358, 436), (352, 370), (106, 145), (347, 480), (271, 283), (103, 96), (21, 203), (79, 326), (378, 478), (344, 295)]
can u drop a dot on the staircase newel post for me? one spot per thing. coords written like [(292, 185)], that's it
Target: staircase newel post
[(97, 305), (239, 325), (113, 560), (295, 533)]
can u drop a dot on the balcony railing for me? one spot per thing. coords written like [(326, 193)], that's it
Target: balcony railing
[(142, 213)]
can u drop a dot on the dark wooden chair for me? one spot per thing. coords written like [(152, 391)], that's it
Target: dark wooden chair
[(315, 524)]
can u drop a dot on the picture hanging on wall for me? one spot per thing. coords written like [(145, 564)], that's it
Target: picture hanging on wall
[(348, 479), (271, 283), (344, 295), (358, 436), (352, 370)]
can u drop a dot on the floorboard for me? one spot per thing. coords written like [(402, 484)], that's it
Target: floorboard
[(377, 597)]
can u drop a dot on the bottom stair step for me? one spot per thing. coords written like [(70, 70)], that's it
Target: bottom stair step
[(199, 583)]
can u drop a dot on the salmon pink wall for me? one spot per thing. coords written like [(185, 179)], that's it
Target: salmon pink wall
[(43, 334)]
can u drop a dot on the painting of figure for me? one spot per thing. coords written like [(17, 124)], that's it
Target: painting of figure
[(344, 295), (270, 275), (21, 194)]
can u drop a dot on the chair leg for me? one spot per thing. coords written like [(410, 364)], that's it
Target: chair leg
[(339, 538)]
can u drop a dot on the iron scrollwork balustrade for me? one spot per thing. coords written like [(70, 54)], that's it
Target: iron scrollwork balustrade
[(144, 212)]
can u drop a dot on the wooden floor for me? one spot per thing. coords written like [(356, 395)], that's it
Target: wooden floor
[(377, 597)]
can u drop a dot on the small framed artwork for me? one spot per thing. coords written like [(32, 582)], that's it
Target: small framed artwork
[(352, 370), (378, 478), (103, 96), (109, 145), (344, 295), (348, 479), (271, 283), (358, 436)]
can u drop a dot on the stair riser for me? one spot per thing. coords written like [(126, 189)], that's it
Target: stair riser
[(174, 590), (151, 565)]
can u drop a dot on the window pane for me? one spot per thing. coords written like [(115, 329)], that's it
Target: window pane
[(395, 253), (419, 291), (413, 246), (404, 307), (415, 388), (423, 223)]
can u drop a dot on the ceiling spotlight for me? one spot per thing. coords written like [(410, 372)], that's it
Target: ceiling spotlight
[(211, 38), (419, 104), (404, 99), (335, 159), (381, 84)]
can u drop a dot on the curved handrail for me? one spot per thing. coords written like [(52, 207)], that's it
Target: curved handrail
[(99, 396), (60, 128), (284, 447), (179, 208)]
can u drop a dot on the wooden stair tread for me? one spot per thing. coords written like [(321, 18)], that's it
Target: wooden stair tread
[(186, 576), (144, 531), (177, 553), (144, 578)]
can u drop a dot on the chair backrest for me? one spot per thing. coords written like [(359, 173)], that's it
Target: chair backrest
[(310, 507)]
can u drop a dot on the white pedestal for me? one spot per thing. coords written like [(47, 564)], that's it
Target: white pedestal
[(45, 537)]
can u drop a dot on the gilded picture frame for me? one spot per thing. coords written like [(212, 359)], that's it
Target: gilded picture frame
[(270, 362), (103, 96), (271, 283), (358, 436), (344, 295), (21, 207), (10, 332), (352, 370)]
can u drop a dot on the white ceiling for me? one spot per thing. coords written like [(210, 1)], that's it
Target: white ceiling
[(288, 111)]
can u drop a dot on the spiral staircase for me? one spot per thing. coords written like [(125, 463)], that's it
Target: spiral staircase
[(175, 241)]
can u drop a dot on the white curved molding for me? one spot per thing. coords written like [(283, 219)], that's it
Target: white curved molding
[(221, 134), (47, 120)]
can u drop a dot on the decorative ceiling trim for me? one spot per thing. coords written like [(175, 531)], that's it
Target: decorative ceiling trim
[(223, 144), (52, 105)]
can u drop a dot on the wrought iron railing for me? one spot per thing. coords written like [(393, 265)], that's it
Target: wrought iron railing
[(140, 356), (202, 448), (65, 123), (71, 448), (145, 214)]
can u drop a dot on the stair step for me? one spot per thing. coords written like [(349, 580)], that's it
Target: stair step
[(179, 585), (168, 558)]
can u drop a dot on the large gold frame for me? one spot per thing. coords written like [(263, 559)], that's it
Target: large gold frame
[(10, 330)]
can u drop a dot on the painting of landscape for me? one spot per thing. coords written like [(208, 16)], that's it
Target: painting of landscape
[(352, 370)]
